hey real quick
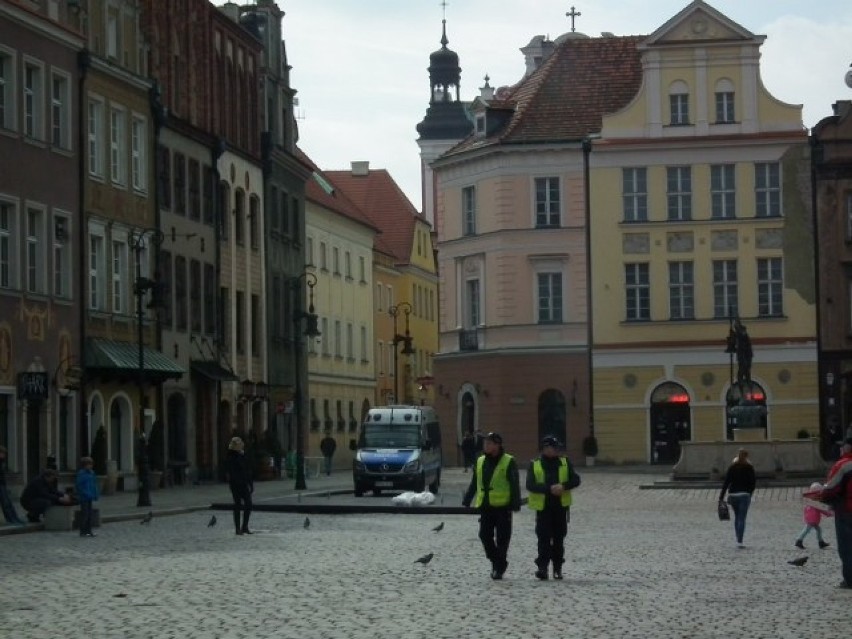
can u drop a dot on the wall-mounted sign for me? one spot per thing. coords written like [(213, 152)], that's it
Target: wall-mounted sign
[(32, 385)]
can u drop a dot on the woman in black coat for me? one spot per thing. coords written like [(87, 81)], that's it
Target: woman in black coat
[(241, 483), (739, 484)]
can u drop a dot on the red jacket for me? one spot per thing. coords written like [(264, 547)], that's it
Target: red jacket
[(836, 485)]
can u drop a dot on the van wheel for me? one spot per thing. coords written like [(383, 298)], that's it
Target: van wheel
[(377, 492), (435, 485), (420, 484)]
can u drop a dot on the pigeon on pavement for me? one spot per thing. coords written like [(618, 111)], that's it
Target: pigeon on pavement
[(212, 522), (147, 518), (439, 527), (798, 562), (307, 523), (425, 559)]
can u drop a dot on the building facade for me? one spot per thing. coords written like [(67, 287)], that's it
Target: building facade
[(699, 206), (40, 223)]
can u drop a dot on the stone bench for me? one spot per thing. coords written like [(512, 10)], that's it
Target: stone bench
[(709, 460), (65, 518)]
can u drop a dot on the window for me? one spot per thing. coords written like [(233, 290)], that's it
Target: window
[(167, 280), (326, 341), (7, 90), (194, 183), (681, 291), (117, 148), (338, 346), (547, 202), (225, 316), (723, 191), (725, 288), (309, 251), (379, 292), (33, 101), (273, 208), (96, 138), (119, 275), (767, 189), (209, 299), (295, 220), (849, 217), (60, 101), (679, 104), (362, 263), (241, 322), (724, 107), (36, 261), (380, 358), (195, 296), (679, 192), (770, 287), (97, 271), (638, 292), (179, 183), (480, 124), (364, 344), (239, 215), (207, 204), (472, 304), (256, 320), (285, 213), (635, 194), (138, 158), (112, 39), (335, 260), (164, 176), (350, 341), (347, 265), (469, 210), (390, 296), (8, 242), (224, 209), (549, 298), (324, 258), (180, 293), (254, 221)]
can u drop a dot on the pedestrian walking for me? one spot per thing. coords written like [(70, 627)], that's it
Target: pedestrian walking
[(468, 446), (813, 514), (41, 493), (550, 479), (838, 493), (241, 484), (495, 491), (739, 484), (9, 512), (86, 484), (327, 447)]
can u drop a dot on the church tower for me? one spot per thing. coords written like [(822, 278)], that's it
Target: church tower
[(446, 120)]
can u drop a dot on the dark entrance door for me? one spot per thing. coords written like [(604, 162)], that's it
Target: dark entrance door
[(33, 438), (551, 415), (670, 422)]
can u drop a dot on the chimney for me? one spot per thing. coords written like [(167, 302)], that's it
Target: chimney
[(232, 10), (361, 167)]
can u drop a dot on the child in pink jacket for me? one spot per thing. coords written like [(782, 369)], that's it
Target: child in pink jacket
[(813, 514)]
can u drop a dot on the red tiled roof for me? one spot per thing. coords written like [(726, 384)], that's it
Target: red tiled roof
[(337, 200), (566, 97), (379, 196)]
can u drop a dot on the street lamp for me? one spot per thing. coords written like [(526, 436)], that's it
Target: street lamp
[(311, 331), (138, 241), (406, 339)]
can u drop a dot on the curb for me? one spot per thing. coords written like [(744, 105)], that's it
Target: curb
[(349, 509)]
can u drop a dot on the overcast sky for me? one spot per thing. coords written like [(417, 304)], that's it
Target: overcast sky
[(360, 66)]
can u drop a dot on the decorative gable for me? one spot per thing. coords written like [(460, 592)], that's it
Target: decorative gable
[(699, 22)]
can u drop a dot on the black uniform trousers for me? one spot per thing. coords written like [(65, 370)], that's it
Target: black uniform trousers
[(242, 498), (495, 532), (551, 526)]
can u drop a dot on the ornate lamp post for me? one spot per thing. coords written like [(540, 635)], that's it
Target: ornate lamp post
[(138, 241), (311, 331), (406, 340)]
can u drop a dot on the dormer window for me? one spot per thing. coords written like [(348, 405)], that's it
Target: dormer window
[(480, 123)]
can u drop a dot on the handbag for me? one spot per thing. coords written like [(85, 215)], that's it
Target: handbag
[(723, 511)]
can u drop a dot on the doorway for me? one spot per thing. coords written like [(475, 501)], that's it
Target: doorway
[(33, 438), (552, 415), (670, 419)]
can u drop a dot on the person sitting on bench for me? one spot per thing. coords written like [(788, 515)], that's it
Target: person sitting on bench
[(41, 493)]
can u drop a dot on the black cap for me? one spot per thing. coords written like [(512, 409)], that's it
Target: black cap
[(551, 440), (495, 437)]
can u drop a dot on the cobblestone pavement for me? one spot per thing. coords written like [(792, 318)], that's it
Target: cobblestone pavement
[(641, 563)]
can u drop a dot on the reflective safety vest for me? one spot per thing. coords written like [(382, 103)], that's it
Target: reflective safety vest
[(536, 500), (499, 490)]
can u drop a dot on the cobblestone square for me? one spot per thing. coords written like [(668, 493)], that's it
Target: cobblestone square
[(641, 563)]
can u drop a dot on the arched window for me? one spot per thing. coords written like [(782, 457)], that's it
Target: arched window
[(552, 415)]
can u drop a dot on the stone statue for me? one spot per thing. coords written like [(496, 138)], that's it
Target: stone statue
[(742, 347)]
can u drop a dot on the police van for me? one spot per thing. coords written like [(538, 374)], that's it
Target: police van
[(398, 448)]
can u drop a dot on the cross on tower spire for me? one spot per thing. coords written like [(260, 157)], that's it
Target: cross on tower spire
[(573, 14), (444, 8)]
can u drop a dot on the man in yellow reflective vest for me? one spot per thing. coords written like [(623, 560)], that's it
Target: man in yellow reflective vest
[(497, 492), (550, 479)]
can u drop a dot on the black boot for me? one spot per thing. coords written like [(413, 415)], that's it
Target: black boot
[(245, 529), (237, 521)]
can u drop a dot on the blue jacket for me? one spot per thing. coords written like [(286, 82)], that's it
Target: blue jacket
[(87, 485)]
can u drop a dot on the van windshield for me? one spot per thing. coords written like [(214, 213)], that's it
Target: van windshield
[(390, 436)]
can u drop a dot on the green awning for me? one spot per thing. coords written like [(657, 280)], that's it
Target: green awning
[(104, 356), (212, 371)]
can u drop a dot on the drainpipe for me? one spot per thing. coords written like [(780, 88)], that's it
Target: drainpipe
[(216, 152), (83, 63), (587, 150), (816, 151)]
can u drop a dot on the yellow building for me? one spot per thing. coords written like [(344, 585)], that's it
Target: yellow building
[(406, 301), (700, 215), (341, 369)]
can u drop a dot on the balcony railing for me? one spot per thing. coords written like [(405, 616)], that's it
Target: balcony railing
[(469, 339)]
